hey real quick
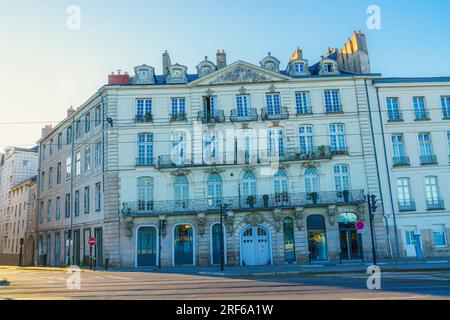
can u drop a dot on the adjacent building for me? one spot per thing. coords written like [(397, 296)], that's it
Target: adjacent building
[(149, 164)]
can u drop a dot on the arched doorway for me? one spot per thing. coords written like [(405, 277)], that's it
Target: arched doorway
[(183, 245), (317, 239), (146, 255), (351, 244), (255, 246), (216, 243), (289, 241)]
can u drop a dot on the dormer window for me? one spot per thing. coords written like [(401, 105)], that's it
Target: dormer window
[(299, 67), (143, 74), (328, 67), (177, 74)]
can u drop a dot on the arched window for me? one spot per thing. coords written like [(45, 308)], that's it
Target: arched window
[(145, 149), (317, 242), (215, 189), (145, 190), (289, 242), (181, 192), (281, 187), (248, 189)]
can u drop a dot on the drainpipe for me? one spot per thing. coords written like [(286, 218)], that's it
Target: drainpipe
[(386, 222), (38, 207), (388, 174), (72, 200), (103, 174)]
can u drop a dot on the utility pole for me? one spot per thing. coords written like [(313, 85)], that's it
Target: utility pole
[(372, 209)]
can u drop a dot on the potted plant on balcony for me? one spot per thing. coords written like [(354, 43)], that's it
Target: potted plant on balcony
[(322, 151), (314, 196), (346, 195), (266, 200), (148, 117), (251, 201)]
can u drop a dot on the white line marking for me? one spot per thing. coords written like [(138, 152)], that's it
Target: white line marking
[(119, 278)]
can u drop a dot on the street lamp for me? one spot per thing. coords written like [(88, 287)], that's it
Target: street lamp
[(372, 201), (222, 207)]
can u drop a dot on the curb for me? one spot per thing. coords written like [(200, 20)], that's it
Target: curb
[(41, 269)]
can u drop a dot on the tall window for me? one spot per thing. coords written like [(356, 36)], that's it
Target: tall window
[(432, 190), (98, 153), (60, 141), (87, 122), (78, 129), (439, 235), (404, 192), (281, 187), (248, 187), (87, 159), (342, 177), (143, 108), (67, 206), (211, 146), (210, 107), (69, 135), (312, 181), (445, 101), (77, 203), (181, 192), (87, 200), (419, 108), (49, 210), (78, 163), (98, 115), (58, 208), (41, 212), (243, 105), (51, 147), (306, 139), (178, 107), (393, 109), (276, 142), (273, 104), (58, 173), (50, 178), (337, 138), (425, 146), (145, 149), (448, 142), (215, 189), (398, 146), (303, 102), (332, 101), (98, 197), (145, 193), (179, 147)]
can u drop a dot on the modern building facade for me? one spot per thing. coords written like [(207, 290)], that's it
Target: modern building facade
[(150, 163), (18, 169), (413, 133)]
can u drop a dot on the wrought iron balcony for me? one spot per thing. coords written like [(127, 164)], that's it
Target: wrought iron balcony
[(207, 117), (395, 116), (435, 205), (168, 162), (422, 115), (307, 154), (282, 114), (428, 160), (178, 117), (333, 109), (407, 205), (339, 151), (250, 203), (446, 113), (244, 116), (402, 161), (148, 117), (145, 162), (304, 110)]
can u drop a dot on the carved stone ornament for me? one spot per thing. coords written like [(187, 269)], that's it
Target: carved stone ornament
[(214, 171), (254, 219), (277, 216), (180, 172), (362, 211), (240, 75), (332, 210), (272, 89), (163, 226), (300, 219), (209, 92), (242, 90), (129, 226), (311, 165), (229, 221), (201, 223)]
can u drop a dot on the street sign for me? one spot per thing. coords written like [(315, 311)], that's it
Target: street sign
[(92, 241), (359, 225)]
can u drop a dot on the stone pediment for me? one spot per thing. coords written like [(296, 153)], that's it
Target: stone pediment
[(240, 73)]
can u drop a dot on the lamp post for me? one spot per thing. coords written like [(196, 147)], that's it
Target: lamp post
[(372, 201), (223, 207)]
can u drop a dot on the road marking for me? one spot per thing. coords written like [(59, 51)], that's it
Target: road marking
[(387, 298), (119, 278)]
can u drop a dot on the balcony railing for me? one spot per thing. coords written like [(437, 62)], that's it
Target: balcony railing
[(405, 206), (339, 151), (304, 111), (250, 203), (145, 162), (207, 117), (401, 161), (243, 157), (435, 205), (329, 109), (282, 114), (446, 113), (422, 115), (395, 116), (148, 117), (428, 160), (244, 116), (178, 117)]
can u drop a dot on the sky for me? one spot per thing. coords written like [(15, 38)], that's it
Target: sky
[(47, 67)]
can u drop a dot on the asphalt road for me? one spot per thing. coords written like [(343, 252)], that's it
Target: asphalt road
[(45, 285)]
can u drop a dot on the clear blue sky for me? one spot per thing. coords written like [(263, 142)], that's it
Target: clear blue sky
[(46, 67)]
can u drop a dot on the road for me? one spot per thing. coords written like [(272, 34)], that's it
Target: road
[(45, 285)]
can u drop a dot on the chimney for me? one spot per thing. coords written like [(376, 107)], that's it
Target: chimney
[(166, 63), (221, 59), (119, 79), (297, 55), (46, 130), (70, 112)]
